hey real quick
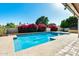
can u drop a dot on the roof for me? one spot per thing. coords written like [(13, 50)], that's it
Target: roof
[(73, 7)]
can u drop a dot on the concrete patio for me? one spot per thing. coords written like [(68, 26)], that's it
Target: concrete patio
[(63, 45)]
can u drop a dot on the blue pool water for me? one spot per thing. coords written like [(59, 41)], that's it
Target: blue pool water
[(25, 41)]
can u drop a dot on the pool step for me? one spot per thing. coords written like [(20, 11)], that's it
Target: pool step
[(51, 38)]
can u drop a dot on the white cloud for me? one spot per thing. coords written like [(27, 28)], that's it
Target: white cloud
[(58, 6)]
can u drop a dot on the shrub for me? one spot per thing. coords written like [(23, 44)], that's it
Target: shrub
[(53, 27), (27, 28), (10, 25), (2, 30), (41, 27), (22, 28), (32, 28)]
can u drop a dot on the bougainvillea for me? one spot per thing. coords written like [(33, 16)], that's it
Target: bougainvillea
[(32, 28), (41, 27), (27, 28), (53, 27), (22, 28)]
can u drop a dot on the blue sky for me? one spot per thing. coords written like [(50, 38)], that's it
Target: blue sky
[(29, 12)]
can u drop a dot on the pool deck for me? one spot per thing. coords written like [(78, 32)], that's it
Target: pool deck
[(63, 45)]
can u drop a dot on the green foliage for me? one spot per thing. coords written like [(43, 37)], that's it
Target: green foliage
[(64, 24), (2, 30), (10, 25), (42, 20), (72, 21)]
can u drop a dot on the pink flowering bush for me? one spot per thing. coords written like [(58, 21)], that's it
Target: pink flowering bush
[(53, 27), (41, 27), (27, 28), (32, 28), (22, 28)]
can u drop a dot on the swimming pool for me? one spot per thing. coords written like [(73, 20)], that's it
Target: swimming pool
[(25, 41)]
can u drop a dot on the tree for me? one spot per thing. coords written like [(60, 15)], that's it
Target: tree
[(10, 25), (42, 20), (64, 24), (72, 21), (20, 23)]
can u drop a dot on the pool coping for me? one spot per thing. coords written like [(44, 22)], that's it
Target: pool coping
[(37, 32)]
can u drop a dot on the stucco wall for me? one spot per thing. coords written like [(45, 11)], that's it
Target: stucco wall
[(12, 30)]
